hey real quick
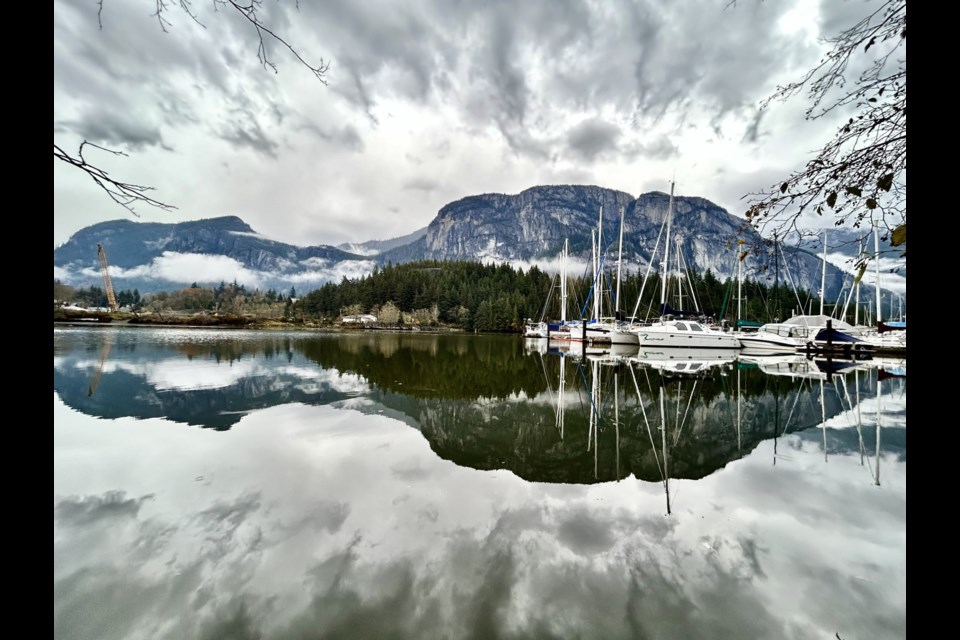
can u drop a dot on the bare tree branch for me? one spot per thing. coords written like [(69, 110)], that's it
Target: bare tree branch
[(125, 194), (249, 10), (859, 176), (128, 194)]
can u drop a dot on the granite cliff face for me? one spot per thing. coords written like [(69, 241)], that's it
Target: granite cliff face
[(533, 224)]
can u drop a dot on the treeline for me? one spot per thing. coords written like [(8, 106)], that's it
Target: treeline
[(467, 295), (93, 296), (463, 294), (482, 297), (232, 298)]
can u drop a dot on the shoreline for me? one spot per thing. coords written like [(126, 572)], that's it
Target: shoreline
[(253, 326)]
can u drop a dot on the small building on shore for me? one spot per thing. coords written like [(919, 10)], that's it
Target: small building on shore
[(360, 319)]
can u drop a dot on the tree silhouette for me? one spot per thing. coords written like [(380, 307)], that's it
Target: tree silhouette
[(129, 195), (859, 176)]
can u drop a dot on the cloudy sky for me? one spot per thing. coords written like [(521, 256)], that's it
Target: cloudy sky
[(427, 101)]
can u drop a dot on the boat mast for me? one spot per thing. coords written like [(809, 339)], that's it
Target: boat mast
[(876, 252), (739, 297), (616, 311), (776, 277), (666, 254), (593, 249), (680, 304), (823, 275), (563, 282), (856, 308), (596, 266)]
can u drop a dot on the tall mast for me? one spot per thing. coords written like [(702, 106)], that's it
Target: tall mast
[(616, 311), (823, 275), (856, 308), (596, 292), (776, 278), (739, 292), (563, 282), (666, 253), (599, 277), (876, 253), (680, 304)]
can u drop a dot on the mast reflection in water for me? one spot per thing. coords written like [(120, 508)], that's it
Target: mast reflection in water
[(456, 485)]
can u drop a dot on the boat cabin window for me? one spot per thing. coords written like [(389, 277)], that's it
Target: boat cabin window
[(695, 327), (680, 326)]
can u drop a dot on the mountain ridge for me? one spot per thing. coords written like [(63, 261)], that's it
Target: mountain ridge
[(524, 228)]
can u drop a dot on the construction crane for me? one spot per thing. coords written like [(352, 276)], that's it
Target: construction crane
[(111, 299)]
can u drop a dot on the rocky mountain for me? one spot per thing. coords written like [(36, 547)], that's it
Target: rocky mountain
[(529, 227), (532, 225), (156, 256)]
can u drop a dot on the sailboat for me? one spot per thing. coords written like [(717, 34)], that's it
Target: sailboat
[(604, 330), (809, 333), (888, 338), (769, 338), (543, 329), (678, 333)]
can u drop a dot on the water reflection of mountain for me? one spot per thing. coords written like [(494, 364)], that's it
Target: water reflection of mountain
[(703, 433), (212, 378), (480, 401)]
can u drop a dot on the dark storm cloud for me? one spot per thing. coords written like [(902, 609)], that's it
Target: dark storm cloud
[(346, 137), (379, 49), (247, 132), (93, 83), (111, 129), (597, 139), (149, 53), (593, 137), (660, 149), (510, 68), (422, 184), (514, 67), (753, 130)]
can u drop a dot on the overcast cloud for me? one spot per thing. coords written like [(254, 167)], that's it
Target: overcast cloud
[(427, 102)]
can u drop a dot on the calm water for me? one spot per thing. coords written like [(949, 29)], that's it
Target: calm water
[(224, 484)]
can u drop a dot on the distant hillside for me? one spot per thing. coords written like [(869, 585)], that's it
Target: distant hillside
[(374, 247), (154, 256)]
